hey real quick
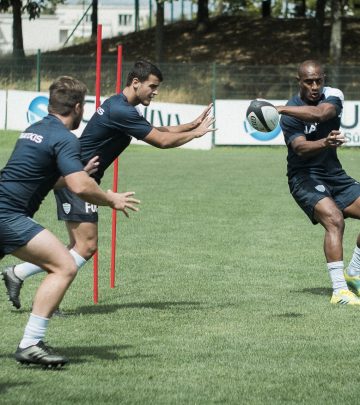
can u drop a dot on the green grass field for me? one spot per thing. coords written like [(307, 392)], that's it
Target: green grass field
[(222, 293)]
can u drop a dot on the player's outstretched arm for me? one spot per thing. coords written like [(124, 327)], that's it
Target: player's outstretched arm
[(87, 189), (305, 148), (189, 126), (166, 140), (309, 113)]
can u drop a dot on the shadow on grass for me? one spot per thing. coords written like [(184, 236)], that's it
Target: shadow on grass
[(290, 315), (5, 387), (82, 354), (317, 291), (162, 306), (107, 309)]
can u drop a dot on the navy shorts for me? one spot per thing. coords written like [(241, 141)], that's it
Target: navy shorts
[(16, 230), (70, 207), (309, 190)]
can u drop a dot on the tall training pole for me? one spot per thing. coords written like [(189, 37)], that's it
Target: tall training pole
[(97, 104), (115, 178)]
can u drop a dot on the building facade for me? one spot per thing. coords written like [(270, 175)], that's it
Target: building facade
[(50, 32)]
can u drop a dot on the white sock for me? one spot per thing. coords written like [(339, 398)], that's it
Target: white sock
[(354, 266), (79, 260), (25, 270), (34, 331), (336, 271)]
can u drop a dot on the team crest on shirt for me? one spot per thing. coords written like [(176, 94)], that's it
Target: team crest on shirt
[(66, 207), (310, 128), (320, 188)]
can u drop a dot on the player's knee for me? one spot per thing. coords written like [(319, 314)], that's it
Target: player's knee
[(336, 221), (69, 269), (87, 249)]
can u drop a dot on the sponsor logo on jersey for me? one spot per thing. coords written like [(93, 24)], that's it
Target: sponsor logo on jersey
[(90, 207), (32, 137), (309, 129), (320, 188), (100, 111), (66, 208)]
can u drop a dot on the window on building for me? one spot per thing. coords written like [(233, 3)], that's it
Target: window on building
[(2, 37), (63, 35), (125, 19)]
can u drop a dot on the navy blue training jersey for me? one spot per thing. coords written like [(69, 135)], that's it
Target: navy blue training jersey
[(325, 162), (44, 152), (109, 132)]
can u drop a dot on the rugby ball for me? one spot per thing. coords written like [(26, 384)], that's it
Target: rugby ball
[(262, 115)]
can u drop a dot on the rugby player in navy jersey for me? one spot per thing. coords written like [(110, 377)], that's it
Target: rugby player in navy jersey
[(44, 152), (107, 135), (310, 123)]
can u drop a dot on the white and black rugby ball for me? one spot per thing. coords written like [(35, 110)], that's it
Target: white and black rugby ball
[(262, 115)]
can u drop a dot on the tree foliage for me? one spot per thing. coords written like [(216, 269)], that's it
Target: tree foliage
[(33, 9)]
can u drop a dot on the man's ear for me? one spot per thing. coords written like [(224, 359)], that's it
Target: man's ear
[(78, 107), (135, 83)]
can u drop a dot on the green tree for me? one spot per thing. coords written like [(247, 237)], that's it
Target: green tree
[(202, 17), (266, 8), (94, 19), (319, 26), (159, 31), (18, 7), (336, 30)]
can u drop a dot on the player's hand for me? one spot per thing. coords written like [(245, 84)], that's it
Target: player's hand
[(202, 116), (92, 165), (335, 139), (205, 126), (123, 201)]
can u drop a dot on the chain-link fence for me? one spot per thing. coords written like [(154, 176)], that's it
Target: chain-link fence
[(183, 83)]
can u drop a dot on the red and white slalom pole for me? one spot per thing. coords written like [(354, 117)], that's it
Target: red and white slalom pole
[(97, 104), (115, 179)]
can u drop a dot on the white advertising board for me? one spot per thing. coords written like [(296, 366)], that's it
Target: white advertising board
[(21, 108), (233, 128), (350, 124), (3, 107), (169, 114), (25, 108)]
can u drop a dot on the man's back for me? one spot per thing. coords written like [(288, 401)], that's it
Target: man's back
[(109, 132), (43, 152)]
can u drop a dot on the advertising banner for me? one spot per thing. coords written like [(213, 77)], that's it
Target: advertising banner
[(2, 108), (233, 128), (350, 123), (22, 108), (25, 108), (169, 114)]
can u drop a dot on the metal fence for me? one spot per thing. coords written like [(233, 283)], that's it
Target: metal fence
[(183, 83)]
